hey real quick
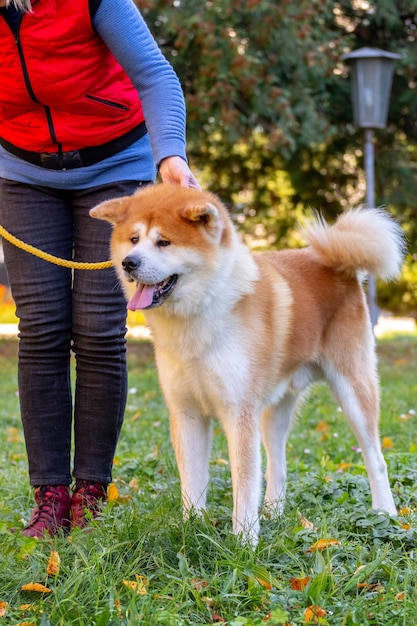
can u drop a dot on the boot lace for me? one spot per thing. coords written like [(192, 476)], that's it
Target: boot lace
[(47, 498)]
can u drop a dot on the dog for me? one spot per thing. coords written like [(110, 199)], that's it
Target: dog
[(242, 336)]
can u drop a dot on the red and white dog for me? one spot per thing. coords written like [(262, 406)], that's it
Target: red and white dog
[(241, 337)]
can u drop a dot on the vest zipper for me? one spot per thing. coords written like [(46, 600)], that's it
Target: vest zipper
[(24, 68), (32, 93)]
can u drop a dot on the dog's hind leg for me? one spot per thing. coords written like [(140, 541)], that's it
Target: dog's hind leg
[(191, 437), (275, 426), (357, 393)]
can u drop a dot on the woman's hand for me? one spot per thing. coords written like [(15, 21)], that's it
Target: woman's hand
[(175, 171)]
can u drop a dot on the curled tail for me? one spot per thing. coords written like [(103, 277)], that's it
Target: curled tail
[(361, 240)]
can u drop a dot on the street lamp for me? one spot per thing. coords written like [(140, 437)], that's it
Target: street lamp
[(371, 79)]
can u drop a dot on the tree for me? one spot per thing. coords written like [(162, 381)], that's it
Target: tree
[(269, 105)]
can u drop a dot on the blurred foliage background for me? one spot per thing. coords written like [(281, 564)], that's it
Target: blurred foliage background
[(270, 121)]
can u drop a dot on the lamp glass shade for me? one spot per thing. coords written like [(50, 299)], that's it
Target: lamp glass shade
[(371, 80)]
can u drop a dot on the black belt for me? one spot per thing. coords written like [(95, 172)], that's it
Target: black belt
[(77, 158)]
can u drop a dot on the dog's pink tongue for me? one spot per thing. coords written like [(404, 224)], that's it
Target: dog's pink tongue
[(142, 298)]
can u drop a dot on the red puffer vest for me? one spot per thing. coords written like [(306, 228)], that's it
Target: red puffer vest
[(60, 87)]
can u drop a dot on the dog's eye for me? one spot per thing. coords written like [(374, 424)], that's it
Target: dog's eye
[(134, 239), (162, 243)]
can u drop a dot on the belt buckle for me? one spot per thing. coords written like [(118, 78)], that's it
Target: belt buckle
[(50, 160), (72, 160), (61, 160)]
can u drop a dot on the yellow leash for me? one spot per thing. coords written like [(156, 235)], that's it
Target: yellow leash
[(50, 257)]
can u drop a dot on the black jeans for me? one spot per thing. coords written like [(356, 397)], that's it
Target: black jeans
[(62, 311)]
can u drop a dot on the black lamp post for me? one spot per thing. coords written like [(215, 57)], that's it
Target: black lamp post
[(371, 80)]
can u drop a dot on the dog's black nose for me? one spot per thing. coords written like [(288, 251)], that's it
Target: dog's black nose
[(130, 263)]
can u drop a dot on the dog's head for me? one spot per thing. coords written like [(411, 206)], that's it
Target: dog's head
[(167, 244)]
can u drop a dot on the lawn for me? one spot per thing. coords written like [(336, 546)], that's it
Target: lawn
[(328, 560)]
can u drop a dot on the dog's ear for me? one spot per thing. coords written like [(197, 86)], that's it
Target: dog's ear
[(113, 211), (206, 214)]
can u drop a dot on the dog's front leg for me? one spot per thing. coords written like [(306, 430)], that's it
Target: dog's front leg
[(243, 438), (191, 440)]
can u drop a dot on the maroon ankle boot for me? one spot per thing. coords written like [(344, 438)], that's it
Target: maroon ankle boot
[(52, 513), (87, 501)]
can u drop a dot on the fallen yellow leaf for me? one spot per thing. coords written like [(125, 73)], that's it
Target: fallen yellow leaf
[(321, 544), (118, 606), (199, 583), (264, 583), (13, 435), (136, 416), (313, 613), (3, 608), (305, 523), (139, 585), (405, 510), (112, 493), (372, 587), (54, 564), (134, 484), (216, 617), (298, 584), (387, 443), (36, 587), (343, 466)]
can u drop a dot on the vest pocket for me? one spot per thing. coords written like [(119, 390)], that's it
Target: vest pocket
[(110, 103)]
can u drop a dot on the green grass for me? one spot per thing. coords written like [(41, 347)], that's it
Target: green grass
[(197, 572)]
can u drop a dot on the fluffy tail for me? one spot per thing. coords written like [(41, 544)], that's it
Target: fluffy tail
[(361, 240)]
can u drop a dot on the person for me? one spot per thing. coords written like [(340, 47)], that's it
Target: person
[(90, 109)]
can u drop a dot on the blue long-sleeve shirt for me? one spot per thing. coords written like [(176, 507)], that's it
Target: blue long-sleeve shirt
[(122, 28)]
